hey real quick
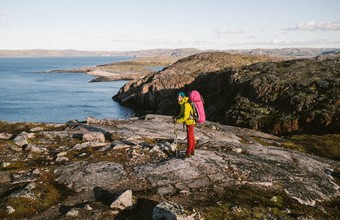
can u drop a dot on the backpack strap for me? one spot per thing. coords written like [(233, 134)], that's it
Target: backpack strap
[(194, 113)]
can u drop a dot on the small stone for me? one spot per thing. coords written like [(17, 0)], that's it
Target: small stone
[(72, 213), (237, 150), (168, 210), (36, 129), (17, 149), (287, 211), (10, 209), (30, 135), (166, 190), (94, 136), (273, 199), (34, 149), (236, 209), (20, 140), (5, 136), (185, 192), (105, 148), (30, 186), (88, 207), (5, 164), (61, 154), (60, 159), (123, 201)]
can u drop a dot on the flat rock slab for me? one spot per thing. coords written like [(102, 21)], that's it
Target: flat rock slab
[(305, 180), (85, 176)]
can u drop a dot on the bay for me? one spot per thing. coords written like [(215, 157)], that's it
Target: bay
[(29, 93)]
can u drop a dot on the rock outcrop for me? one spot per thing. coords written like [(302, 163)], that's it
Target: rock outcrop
[(137, 168), (249, 91), (157, 92)]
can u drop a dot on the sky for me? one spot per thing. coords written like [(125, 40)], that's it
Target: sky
[(128, 25)]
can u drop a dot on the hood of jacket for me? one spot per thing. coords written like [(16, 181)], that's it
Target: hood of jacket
[(184, 100)]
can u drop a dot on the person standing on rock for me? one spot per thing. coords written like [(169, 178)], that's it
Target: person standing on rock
[(185, 116)]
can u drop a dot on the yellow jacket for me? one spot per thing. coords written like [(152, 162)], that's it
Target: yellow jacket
[(185, 114)]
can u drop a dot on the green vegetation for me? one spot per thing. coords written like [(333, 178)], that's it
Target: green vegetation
[(322, 145), (14, 128), (46, 194), (248, 202)]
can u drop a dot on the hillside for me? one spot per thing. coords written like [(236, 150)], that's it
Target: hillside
[(258, 92)]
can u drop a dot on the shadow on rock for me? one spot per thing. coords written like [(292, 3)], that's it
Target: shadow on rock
[(142, 210), (65, 209), (104, 196)]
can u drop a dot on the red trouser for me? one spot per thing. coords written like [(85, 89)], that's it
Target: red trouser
[(191, 139)]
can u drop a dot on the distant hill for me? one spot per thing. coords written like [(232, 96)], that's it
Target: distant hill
[(289, 52), (180, 53), (50, 53), (141, 53)]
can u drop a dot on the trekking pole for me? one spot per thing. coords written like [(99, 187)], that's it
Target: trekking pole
[(175, 141)]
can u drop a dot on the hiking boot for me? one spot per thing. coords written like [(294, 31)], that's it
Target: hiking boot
[(187, 155)]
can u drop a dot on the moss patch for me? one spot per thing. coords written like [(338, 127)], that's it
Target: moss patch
[(249, 202), (322, 145), (14, 128), (47, 193)]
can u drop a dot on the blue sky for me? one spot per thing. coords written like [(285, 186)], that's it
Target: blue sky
[(121, 25)]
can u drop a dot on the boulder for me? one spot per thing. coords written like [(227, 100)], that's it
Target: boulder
[(124, 201), (94, 137), (5, 136)]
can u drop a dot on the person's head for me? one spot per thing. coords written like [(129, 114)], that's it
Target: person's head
[(180, 96)]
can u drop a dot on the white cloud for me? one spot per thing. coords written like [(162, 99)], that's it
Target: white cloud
[(314, 26)]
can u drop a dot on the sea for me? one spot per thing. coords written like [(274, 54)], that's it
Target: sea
[(29, 92)]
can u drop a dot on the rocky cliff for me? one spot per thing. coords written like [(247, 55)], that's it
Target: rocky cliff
[(134, 169), (258, 92)]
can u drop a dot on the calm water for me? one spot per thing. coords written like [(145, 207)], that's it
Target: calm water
[(29, 94)]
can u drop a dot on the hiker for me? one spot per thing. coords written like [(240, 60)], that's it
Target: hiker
[(186, 118)]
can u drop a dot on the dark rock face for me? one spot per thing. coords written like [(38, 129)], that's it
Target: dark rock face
[(275, 97), (286, 96)]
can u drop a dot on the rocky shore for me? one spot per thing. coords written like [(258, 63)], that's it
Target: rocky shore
[(133, 169)]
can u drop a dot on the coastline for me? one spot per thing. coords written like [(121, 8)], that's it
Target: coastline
[(123, 70)]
